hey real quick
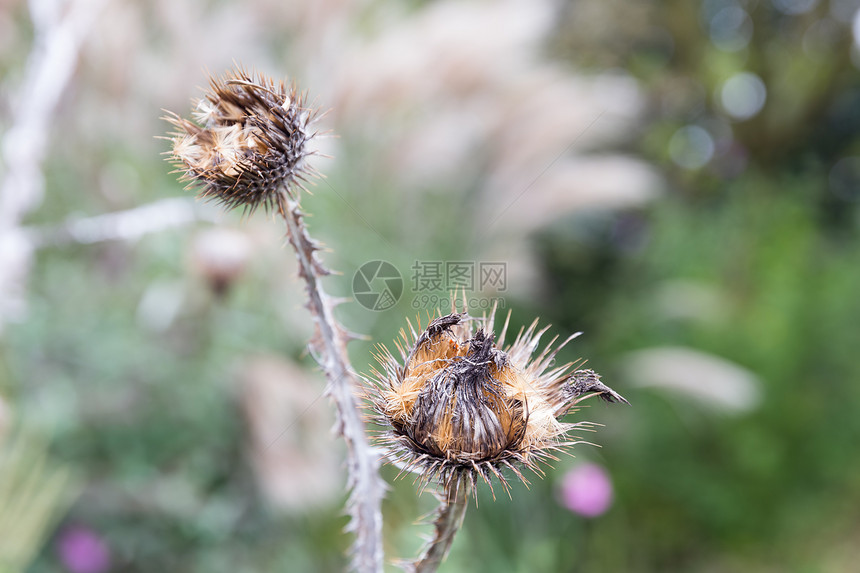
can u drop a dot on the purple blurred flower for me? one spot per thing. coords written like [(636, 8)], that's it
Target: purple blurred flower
[(587, 490), (82, 550)]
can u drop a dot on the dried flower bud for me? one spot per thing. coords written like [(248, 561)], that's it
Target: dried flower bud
[(220, 256), (458, 406), (248, 143)]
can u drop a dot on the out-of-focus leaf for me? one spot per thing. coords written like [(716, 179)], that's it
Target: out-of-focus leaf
[(34, 493)]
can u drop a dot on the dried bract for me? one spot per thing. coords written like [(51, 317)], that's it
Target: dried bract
[(248, 142), (456, 405)]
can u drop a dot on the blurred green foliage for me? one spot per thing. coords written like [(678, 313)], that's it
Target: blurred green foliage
[(34, 493)]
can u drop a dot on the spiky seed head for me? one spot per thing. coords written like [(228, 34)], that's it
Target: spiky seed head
[(248, 142), (455, 405)]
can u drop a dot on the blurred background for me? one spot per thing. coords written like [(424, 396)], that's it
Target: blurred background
[(679, 180)]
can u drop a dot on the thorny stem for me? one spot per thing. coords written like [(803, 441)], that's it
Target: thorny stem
[(329, 348), (449, 518)]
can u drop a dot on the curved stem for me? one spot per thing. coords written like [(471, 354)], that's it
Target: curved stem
[(59, 36), (449, 518), (329, 348)]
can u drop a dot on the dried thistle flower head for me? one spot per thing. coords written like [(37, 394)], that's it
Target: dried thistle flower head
[(248, 143), (459, 406)]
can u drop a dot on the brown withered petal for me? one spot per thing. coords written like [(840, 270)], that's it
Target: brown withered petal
[(457, 406), (248, 143)]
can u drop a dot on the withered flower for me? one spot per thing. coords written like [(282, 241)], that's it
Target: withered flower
[(248, 143), (458, 406)]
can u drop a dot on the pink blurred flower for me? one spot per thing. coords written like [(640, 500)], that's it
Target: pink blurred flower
[(82, 550), (587, 490)]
